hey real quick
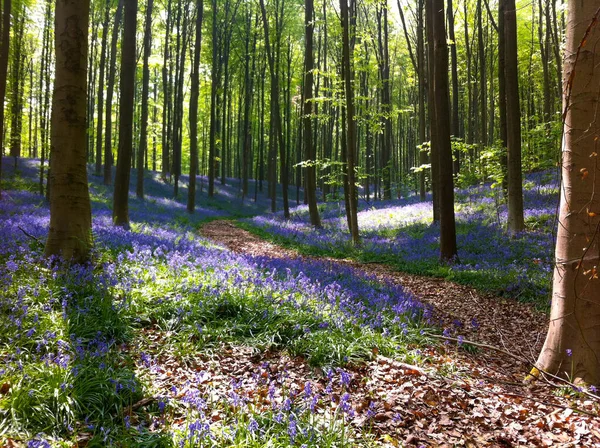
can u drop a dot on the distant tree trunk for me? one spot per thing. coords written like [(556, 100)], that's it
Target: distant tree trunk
[(143, 149), (309, 149), (128, 66), (482, 76), (433, 139), (386, 102), (195, 93), (166, 135), (422, 95), (4, 52), (108, 144), (249, 91), (44, 98), (276, 113), (98, 170), (455, 92), (572, 346), (448, 251), (16, 99), (351, 122), (516, 222), (70, 234), (502, 92), (215, 77)]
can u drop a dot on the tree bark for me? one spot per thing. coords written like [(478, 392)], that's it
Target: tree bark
[(309, 149), (143, 149), (70, 234), (516, 222), (195, 93), (108, 143), (128, 66), (448, 251), (4, 52), (347, 73), (572, 346), (98, 169)]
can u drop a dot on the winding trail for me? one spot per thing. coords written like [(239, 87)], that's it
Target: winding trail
[(501, 322), (456, 398)]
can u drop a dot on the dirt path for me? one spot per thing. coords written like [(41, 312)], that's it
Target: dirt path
[(504, 323), (481, 399)]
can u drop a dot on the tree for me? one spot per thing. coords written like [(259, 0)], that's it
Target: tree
[(70, 233), (572, 346), (108, 145), (448, 251), (191, 203), (143, 149), (4, 50), (98, 168), (347, 75), (128, 66), (516, 222), (309, 150), (277, 130)]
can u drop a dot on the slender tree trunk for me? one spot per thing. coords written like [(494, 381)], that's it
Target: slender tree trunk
[(108, 143), (455, 92), (502, 93), (351, 122), (216, 63), (572, 346), (309, 149), (166, 136), (4, 52), (128, 66), (70, 234), (143, 149), (422, 95), (195, 94), (276, 126), (516, 222), (98, 170), (433, 140)]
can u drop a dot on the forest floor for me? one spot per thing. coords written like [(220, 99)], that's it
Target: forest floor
[(472, 395)]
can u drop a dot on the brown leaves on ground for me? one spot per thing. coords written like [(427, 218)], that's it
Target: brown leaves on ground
[(457, 398)]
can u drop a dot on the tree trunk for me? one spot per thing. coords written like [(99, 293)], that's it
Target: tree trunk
[(128, 66), (143, 149), (276, 114), (70, 234), (448, 252), (455, 92), (433, 141), (347, 73), (516, 221), (502, 93), (195, 93), (98, 170), (215, 76), (309, 149), (572, 346), (108, 143), (4, 52)]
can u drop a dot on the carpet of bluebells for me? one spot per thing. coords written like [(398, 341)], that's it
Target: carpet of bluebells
[(402, 233), (83, 348)]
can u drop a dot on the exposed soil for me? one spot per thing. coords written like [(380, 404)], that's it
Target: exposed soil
[(480, 399)]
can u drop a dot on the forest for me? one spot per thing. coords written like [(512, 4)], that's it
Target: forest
[(299, 223)]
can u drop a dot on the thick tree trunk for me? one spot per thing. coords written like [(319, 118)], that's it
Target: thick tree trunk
[(143, 149), (572, 346), (108, 143), (70, 234), (195, 93), (448, 251), (516, 222), (128, 65), (309, 149)]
